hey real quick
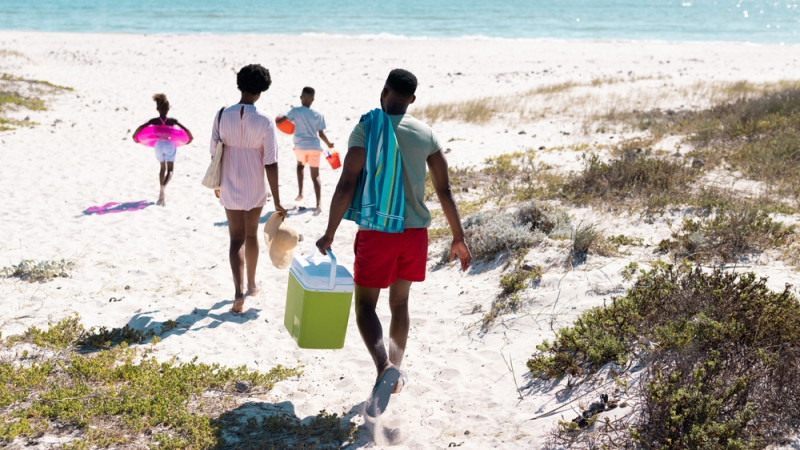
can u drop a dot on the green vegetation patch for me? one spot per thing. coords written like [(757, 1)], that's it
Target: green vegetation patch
[(736, 229), (720, 350), (41, 271), (755, 135), (521, 277), (489, 233), (754, 129), (124, 397), (632, 178), (504, 180), (19, 93), (59, 337), (281, 431)]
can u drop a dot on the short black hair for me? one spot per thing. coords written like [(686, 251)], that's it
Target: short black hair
[(308, 90), (253, 78), (402, 81)]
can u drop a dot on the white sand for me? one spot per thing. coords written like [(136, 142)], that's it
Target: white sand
[(171, 263)]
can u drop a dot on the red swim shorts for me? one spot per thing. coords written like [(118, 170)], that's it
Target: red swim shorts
[(382, 258)]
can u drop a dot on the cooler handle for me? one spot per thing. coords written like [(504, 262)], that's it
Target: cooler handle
[(332, 281)]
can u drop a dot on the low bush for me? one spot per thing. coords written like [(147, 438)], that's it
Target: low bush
[(521, 277), (754, 130), (123, 397), (634, 177), (541, 216), (720, 364), (59, 336), (42, 271), (488, 234), (734, 231)]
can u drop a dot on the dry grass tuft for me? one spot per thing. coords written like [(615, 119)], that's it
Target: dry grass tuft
[(18, 93), (633, 178), (732, 231)]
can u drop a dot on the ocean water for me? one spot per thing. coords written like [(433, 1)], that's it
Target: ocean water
[(760, 21)]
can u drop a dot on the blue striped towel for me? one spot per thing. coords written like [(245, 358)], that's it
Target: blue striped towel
[(378, 202)]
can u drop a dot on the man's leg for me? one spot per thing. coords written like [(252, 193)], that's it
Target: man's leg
[(299, 181), (398, 328), (251, 248), (317, 187), (370, 326), (237, 232)]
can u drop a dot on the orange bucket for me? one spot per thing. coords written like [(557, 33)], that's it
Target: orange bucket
[(286, 126), (333, 160)]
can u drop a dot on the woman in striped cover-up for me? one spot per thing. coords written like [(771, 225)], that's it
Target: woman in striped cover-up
[(250, 151)]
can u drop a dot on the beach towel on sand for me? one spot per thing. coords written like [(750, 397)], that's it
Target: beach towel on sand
[(378, 202)]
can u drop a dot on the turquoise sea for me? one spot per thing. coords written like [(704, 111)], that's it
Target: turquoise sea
[(760, 21)]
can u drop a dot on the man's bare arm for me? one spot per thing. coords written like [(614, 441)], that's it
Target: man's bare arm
[(437, 165), (343, 195)]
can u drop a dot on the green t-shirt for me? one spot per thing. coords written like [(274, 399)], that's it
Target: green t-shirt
[(417, 141)]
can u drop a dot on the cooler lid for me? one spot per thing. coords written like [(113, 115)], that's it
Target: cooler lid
[(318, 273)]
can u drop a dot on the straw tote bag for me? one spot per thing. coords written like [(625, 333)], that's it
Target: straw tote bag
[(213, 177)]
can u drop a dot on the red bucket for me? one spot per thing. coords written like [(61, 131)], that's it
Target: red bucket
[(333, 160), (286, 126)]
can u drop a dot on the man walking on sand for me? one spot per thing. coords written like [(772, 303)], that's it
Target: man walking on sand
[(382, 188)]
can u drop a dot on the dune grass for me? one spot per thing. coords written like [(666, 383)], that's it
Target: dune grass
[(123, 397), (728, 233), (513, 283), (484, 109), (635, 179), (752, 128), (38, 271), (17, 93), (721, 359)]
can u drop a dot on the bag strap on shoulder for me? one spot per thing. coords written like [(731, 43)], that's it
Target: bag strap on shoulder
[(219, 116)]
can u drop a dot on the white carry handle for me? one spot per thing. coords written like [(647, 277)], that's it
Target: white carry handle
[(332, 281)]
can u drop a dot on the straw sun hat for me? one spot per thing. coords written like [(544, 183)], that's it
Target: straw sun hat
[(281, 240)]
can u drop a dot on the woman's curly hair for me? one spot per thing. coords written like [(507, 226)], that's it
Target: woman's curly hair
[(253, 78)]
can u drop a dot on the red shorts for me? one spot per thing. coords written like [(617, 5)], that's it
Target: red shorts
[(382, 258)]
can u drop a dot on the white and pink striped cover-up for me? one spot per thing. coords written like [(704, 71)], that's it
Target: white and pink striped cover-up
[(250, 144)]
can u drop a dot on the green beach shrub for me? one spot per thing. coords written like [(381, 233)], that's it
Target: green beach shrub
[(488, 234), (124, 397), (541, 216), (20, 93), (752, 128), (323, 431), (634, 177), (42, 271), (59, 336), (521, 277), (722, 356), (739, 229)]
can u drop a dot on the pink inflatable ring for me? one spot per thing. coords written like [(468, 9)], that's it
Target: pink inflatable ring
[(152, 133)]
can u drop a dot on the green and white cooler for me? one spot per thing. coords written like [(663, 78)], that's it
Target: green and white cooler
[(318, 302)]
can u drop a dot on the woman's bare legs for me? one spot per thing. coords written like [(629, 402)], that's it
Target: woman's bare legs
[(243, 230)]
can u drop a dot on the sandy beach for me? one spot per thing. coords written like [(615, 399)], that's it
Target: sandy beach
[(147, 266)]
